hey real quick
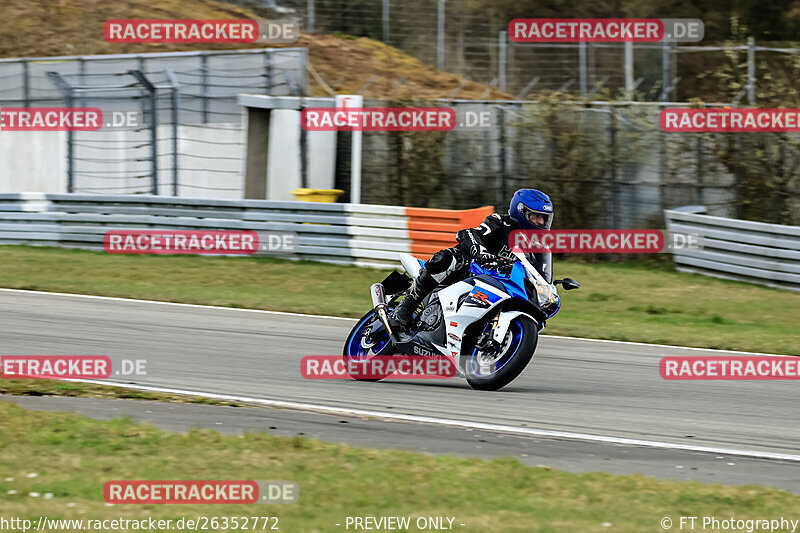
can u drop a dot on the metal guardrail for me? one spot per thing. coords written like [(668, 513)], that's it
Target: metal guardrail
[(364, 235), (767, 254), (359, 234)]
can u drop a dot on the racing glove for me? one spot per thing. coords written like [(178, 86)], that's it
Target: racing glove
[(504, 266), (487, 260), (493, 262)]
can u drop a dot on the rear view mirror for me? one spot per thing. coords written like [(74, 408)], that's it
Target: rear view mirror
[(568, 283)]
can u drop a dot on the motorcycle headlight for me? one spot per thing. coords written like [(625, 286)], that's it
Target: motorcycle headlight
[(544, 295)]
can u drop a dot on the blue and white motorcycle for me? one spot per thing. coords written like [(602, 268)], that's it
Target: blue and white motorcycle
[(488, 324)]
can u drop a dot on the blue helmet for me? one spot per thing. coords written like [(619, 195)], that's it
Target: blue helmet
[(528, 204)]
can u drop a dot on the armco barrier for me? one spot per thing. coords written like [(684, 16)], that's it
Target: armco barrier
[(768, 254), (360, 234)]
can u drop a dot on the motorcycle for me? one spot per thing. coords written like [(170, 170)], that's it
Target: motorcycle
[(488, 324)]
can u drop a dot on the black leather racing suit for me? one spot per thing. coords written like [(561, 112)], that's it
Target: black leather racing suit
[(490, 238)]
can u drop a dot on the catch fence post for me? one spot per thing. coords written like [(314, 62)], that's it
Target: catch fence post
[(66, 90), (385, 20), (139, 75), (440, 36), (582, 68), (175, 103), (751, 71), (501, 50)]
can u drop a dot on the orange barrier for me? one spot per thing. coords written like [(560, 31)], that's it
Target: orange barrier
[(430, 230)]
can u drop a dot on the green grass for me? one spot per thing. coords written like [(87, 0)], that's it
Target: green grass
[(73, 456), (651, 302), (53, 387), (632, 301)]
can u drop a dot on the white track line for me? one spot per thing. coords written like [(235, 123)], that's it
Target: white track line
[(157, 302), (584, 437), (631, 343), (286, 313)]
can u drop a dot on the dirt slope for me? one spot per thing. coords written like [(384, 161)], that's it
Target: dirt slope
[(40, 28)]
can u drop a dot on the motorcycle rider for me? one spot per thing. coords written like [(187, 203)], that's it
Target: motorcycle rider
[(486, 244)]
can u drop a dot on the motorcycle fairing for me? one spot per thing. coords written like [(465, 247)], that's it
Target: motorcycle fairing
[(458, 318), (484, 291)]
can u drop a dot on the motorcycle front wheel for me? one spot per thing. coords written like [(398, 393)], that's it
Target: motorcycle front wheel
[(495, 369)]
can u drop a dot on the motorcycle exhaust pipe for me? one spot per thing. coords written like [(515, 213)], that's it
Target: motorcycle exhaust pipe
[(379, 304)]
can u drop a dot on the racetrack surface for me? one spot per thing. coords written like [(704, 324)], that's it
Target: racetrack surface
[(585, 387)]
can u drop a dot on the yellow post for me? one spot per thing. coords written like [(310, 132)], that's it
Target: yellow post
[(317, 195)]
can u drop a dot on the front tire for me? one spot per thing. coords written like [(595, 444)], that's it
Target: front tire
[(493, 371)]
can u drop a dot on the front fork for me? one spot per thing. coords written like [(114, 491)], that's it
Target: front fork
[(493, 338), (486, 341)]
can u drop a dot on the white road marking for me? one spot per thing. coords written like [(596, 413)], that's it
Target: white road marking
[(585, 437), (157, 302), (631, 343), (287, 313)]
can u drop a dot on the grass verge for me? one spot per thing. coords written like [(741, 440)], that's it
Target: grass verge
[(630, 301), (70, 457), (53, 387)]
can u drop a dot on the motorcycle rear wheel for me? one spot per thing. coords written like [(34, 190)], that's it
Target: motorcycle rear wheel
[(358, 348)]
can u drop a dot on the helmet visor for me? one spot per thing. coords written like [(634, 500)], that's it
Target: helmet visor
[(537, 219)]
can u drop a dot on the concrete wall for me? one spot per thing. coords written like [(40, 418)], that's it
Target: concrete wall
[(118, 161), (210, 162), (284, 161), (33, 161)]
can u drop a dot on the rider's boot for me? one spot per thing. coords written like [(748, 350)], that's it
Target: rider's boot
[(420, 288)]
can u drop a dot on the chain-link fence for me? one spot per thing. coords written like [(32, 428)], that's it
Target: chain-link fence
[(605, 165), (456, 37), (171, 121)]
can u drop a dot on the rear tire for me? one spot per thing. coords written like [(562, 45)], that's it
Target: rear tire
[(524, 336), (356, 348)]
